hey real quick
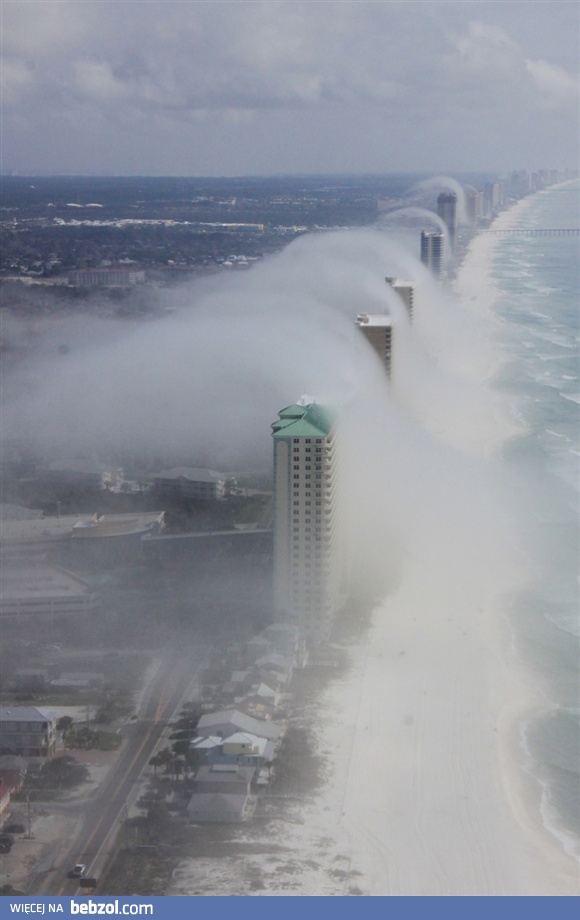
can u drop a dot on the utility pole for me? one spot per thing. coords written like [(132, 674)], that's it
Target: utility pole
[(29, 835)]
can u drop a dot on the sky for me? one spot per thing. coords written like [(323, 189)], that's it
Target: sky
[(264, 87)]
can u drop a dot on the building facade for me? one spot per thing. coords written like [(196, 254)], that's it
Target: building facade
[(378, 331), (309, 571), (432, 250), (406, 292), (193, 483), (27, 732), (447, 211)]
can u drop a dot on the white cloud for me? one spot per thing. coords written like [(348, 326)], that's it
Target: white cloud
[(553, 82)]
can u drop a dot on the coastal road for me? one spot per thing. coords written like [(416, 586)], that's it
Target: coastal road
[(175, 674)]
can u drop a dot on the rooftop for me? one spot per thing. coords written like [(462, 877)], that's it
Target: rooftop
[(24, 714), (193, 474), (374, 319), (304, 421)]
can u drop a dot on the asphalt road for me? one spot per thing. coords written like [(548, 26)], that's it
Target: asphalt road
[(104, 815)]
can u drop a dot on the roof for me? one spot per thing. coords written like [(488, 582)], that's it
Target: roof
[(238, 720), (230, 775), (364, 320), (191, 473), (297, 421), (24, 714)]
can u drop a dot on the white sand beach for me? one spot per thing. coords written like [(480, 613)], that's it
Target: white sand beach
[(425, 794)]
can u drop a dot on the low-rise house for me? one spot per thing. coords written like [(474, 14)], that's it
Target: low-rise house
[(27, 731), (222, 794), (192, 482), (287, 640), (227, 721), (238, 750)]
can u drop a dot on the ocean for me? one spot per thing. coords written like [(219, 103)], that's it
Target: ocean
[(537, 279)]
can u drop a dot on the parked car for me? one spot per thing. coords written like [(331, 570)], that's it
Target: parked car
[(14, 829), (5, 847), (7, 838), (77, 870)]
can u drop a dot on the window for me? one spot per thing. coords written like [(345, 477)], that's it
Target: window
[(296, 466), (296, 475), (306, 503), (308, 450), (297, 503), (296, 440), (296, 450), (319, 440), (308, 440)]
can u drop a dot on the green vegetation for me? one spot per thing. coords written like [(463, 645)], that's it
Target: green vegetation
[(87, 739)]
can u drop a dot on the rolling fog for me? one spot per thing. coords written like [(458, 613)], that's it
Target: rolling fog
[(201, 383)]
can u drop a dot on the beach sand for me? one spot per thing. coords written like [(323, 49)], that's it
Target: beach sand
[(425, 794)]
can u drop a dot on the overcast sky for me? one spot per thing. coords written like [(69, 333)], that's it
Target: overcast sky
[(261, 86)]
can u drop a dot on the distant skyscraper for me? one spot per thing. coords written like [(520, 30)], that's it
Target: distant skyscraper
[(309, 569), (492, 198), (432, 243), (378, 331), (447, 211), (472, 206), (406, 292)]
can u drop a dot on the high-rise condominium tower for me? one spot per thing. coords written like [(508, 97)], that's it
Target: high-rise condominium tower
[(378, 331), (447, 211), (406, 292), (432, 243), (309, 569)]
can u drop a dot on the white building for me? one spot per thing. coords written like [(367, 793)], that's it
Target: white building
[(192, 482), (378, 331), (406, 292), (27, 731), (309, 571), (447, 211), (432, 249)]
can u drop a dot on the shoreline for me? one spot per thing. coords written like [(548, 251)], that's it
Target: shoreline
[(425, 793)]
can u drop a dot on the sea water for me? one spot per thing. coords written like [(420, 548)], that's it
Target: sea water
[(537, 277)]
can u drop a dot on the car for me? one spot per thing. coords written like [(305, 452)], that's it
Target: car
[(14, 829), (7, 838), (5, 847), (77, 870)]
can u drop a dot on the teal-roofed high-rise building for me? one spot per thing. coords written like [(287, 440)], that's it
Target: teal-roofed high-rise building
[(309, 563)]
